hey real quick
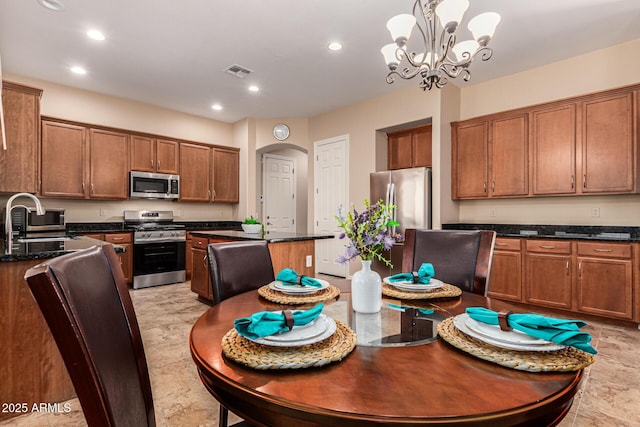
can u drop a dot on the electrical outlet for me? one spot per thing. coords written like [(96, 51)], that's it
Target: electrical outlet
[(492, 212), (102, 212), (595, 212), (309, 261)]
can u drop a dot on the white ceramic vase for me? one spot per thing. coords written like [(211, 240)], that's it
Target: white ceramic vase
[(366, 290)]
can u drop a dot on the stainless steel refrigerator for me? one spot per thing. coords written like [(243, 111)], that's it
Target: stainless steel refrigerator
[(409, 190)]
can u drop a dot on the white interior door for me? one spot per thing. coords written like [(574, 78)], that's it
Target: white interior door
[(331, 162), (279, 193)]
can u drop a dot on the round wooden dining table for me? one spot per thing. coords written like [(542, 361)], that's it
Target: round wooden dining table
[(382, 382)]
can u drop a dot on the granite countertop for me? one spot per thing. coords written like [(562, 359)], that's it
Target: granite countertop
[(24, 251), (572, 232), (274, 237)]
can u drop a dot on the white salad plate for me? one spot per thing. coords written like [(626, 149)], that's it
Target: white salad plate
[(415, 287), (320, 329), (277, 285), (460, 322)]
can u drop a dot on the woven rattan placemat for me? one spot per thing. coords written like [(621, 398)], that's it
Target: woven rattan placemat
[(446, 291), (567, 359), (274, 296), (258, 356)]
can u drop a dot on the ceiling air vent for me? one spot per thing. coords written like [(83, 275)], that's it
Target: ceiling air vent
[(238, 71)]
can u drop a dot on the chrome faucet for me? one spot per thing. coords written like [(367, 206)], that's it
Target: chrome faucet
[(8, 227)]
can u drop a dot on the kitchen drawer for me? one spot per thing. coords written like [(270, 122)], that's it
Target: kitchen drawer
[(506, 244), (549, 246), (606, 250), (199, 242), (118, 238)]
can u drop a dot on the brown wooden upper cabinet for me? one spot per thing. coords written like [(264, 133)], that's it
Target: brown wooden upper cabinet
[(584, 145), (19, 162), (490, 158), (209, 173), (155, 155), (409, 148), (225, 175), (81, 162), (195, 179)]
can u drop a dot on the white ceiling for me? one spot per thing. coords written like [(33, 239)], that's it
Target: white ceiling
[(173, 53)]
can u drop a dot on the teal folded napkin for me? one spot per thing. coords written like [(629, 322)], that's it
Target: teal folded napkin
[(425, 273), (265, 323), (559, 331), (289, 277)]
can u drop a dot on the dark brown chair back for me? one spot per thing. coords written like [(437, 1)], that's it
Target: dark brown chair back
[(85, 301), (238, 267), (461, 258)]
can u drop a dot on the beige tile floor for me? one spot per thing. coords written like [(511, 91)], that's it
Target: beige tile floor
[(609, 394)]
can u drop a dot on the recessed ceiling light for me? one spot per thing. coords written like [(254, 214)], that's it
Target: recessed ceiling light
[(78, 70), (334, 46), (216, 107), (52, 5), (254, 88), (95, 35)]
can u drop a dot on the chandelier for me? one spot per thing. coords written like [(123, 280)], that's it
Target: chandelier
[(442, 58)]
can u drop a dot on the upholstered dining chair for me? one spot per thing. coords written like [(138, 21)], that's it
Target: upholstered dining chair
[(85, 300), (461, 258), (238, 267)]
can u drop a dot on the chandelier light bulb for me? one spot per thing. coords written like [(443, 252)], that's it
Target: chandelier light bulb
[(400, 27), (450, 13), (484, 26), (468, 46), (426, 63), (389, 53)]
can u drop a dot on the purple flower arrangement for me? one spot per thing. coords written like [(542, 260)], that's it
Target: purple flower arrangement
[(369, 231)]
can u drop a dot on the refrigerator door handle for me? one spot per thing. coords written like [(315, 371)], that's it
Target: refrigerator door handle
[(392, 201), (388, 195)]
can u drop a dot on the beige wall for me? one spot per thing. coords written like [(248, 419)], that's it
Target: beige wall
[(600, 70)]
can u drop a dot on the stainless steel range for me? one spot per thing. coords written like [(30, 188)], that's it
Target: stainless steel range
[(158, 248)]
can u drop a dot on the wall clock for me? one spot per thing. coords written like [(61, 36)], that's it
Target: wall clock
[(281, 132)]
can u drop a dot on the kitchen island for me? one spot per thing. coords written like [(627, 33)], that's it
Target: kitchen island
[(31, 367), (288, 250)]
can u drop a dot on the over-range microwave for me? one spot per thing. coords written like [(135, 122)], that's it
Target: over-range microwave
[(147, 185)]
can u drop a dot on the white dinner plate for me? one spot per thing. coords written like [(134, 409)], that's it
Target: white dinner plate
[(460, 322), (277, 285), (510, 337), (415, 287), (304, 332), (320, 329)]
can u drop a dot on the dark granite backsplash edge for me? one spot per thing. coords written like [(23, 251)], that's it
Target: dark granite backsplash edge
[(623, 233)]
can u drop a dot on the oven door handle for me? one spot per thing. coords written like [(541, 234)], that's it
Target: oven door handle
[(159, 240)]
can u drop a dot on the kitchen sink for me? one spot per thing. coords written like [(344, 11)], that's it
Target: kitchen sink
[(44, 239)]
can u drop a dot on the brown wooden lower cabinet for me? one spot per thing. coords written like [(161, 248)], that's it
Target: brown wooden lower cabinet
[(599, 278), (31, 368), (506, 270), (605, 281), (548, 273), (120, 239), (283, 255)]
